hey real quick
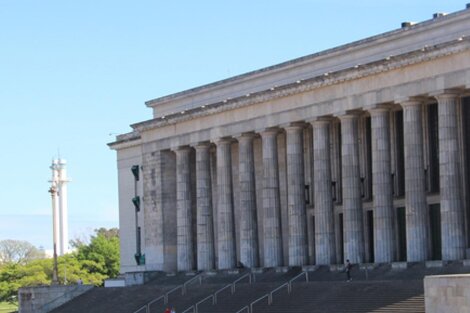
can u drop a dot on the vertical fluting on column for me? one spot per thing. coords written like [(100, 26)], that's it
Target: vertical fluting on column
[(415, 197), (205, 227), (184, 241), (384, 235), (298, 253), (352, 202), (325, 248), (225, 217), (271, 201), (452, 217), (248, 220)]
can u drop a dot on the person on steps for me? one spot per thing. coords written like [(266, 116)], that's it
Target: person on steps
[(347, 269)]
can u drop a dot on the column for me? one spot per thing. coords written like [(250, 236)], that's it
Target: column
[(298, 254), (415, 197), (205, 227), (384, 235), (271, 201), (248, 219), (184, 243), (452, 217), (352, 199), (225, 220), (325, 248)]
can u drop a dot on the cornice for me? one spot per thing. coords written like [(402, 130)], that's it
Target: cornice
[(318, 56), (390, 63), (127, 140)]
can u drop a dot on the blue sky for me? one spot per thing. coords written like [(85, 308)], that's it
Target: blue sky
[(75, 73)]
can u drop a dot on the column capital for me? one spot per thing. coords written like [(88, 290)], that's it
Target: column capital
[(379, 106), (379, 110), (346, 115), (202, 145), (446, 94), (271, 131), (223, 141), (295, 126), (410, 101), (245, 136), (321, 121), (181, 148)]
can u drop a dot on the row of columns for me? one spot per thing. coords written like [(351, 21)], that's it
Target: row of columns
[(417, 228)]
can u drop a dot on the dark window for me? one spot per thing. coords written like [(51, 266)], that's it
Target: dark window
[(366, 181), (435, 219), (433, 149), (401, 233), (399, 175), (370, 235)]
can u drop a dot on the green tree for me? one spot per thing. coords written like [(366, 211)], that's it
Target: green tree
[(102, 254), (92, 263)]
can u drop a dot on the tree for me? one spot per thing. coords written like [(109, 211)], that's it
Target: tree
[(102, 254), (91, 263), (18, 251)]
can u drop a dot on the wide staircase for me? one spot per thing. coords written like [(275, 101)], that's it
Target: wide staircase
[(373, 289)]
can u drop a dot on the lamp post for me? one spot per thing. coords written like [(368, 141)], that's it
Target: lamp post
[(53, 192)]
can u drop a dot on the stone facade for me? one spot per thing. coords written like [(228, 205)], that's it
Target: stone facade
[(359, 152), (447, 293)]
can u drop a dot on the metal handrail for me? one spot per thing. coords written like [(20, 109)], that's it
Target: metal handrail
[(219, 291), (204, 300), (270, 294), (153, 301), (270, 298), (165, 296), (296, 277), (190, 281), (239, 279), (187, 310), (247, 308), (258, 300), (171, 291), (142, 307)]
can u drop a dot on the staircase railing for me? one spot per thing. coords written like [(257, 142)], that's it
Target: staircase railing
[(270, 297), (288, 285), (183, 288), (240, 279), (232, 286), (258, 300), (142, 309), (245, 308), (204, 300)]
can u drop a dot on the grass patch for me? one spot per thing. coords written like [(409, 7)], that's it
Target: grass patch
[(7, 307)]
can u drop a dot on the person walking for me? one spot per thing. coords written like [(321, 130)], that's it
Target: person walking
[(347, 269)]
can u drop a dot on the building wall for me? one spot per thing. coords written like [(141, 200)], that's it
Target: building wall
[(127, 158), (419, 73)]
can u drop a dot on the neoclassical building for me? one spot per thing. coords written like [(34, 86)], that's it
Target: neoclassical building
[(360, 152)]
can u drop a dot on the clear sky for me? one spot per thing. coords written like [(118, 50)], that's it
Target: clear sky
[(73, 74)]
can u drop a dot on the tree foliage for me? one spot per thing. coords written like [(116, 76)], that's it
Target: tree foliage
[(91, 263)]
